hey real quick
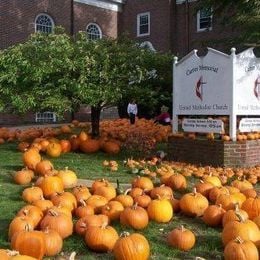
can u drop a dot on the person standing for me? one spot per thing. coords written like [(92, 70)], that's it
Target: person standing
[(132, 111)]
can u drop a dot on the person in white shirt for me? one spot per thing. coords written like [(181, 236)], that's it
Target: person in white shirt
[(132, 111)]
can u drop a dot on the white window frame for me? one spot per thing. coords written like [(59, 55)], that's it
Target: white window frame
[(99, 30), (43, 14), (198, 23), (45, 117), (138, 24)]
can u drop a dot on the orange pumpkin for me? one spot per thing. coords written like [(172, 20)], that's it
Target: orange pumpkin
[(134, 246), (101, 239), (181, 238), (29, 242)]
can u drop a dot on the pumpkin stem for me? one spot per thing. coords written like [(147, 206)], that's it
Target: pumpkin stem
[(104, 225), (236, 207), (240, 217), (135, 206), (194, 191), (158, 196), (25, 212), (124, 234), (72, 256), (12, 252), (182, 228), (53, 212), (128, 190), (82, 202), (239, 240)]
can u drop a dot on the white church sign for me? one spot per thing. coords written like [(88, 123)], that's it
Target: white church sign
[(217, 84)]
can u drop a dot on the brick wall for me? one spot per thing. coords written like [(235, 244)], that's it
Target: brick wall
[(187, 38), (215, 153), (17, 18), (107, 20), (161, 20)]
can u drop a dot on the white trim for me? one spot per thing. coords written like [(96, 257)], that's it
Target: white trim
[(179, 2), (98, 27), (198, 23), (138, 24), (116, 6), (43, 14)]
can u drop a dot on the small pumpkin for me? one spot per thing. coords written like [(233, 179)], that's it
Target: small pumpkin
[(181, 238)]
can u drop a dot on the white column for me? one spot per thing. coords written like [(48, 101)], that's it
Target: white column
[(233, 115), (174, 115)]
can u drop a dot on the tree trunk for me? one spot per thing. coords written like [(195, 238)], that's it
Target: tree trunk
[(95, 119)]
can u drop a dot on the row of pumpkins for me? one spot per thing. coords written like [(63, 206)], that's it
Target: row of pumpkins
[(47, 219), (115, 132)]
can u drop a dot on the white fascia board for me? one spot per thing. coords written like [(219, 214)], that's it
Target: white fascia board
[(178, 2), (109, 5)]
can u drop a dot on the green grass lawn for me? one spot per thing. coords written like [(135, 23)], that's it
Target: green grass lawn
[(208, 243)]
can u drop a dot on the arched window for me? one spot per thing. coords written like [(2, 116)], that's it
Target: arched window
[(94, 32), (44, 23)]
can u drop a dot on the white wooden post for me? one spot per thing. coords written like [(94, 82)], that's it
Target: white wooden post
[(174, 115), (233, 115)]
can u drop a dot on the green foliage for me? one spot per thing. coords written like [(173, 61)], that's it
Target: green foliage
[(57, 73), (242, 15), (35, 75)]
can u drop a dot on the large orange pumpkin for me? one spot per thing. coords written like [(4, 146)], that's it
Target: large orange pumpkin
[(241, 249), (101, 239), (134, 246), (89, 146), (31, 243)]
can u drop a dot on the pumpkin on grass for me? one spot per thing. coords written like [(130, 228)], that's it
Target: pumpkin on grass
[(213, 215), (129, 247), (32, 194), (241, 249), (193, 204), (160, 210), (29, 242), (135, 217), (53, 242), (101, 239), (59, 222), (181, 238), (69, 178), (246, 229)]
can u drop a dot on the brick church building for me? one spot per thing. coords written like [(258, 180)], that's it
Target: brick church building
[(174, 26), (163, 25)]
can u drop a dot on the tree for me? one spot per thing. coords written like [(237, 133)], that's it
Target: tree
[(55, 72), (243, 15), (35, 75)]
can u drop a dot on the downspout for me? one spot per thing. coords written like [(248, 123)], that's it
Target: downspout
[(187, 22), (72, 17)]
